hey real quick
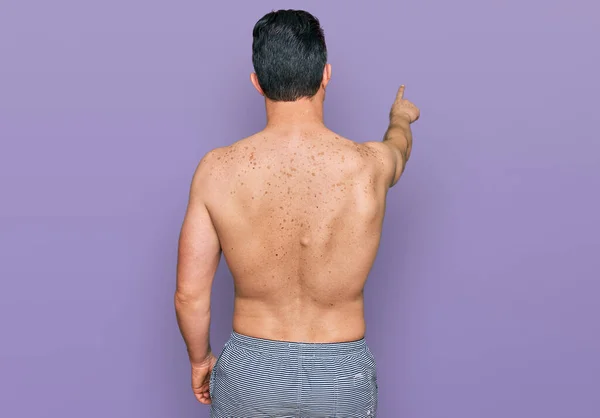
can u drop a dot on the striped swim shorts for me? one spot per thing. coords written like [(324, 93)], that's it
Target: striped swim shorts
[(255, 378)]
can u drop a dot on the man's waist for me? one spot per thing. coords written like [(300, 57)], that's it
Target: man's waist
[(328, 327), (295, 348)]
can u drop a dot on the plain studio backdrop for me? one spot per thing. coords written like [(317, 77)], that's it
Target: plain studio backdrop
[(484, 298)]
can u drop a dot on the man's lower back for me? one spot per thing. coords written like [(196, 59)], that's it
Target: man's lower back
[(300, 319)]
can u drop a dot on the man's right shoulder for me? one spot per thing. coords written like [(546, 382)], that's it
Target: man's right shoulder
[(383, 156)]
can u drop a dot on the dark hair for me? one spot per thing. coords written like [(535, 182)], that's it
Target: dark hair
[(289, 54)]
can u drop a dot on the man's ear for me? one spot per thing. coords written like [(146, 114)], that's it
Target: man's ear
[(326, 75), (254, 80)]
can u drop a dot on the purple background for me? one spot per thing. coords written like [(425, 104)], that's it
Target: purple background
[(483, 301)]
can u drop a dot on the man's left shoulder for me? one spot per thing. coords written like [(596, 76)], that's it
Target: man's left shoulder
[(216, 159), (211, 168)]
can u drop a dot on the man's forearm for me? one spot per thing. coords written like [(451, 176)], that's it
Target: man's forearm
[(399, 132), (193, 317)]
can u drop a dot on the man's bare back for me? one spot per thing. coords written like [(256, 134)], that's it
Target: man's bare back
[(299, 217)]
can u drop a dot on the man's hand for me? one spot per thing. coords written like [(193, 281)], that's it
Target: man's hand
[(201, 379), (403, 108)]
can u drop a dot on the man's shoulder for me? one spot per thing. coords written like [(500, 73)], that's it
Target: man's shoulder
[(211, 160), (377, 150), (217, 164), (211, 169), (218, 158), (379, 156), (372, 153)]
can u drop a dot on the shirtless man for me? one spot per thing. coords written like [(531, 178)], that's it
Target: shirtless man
[(297, 212)]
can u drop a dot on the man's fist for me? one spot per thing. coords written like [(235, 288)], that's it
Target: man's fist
[(201, 379), (403, 108)]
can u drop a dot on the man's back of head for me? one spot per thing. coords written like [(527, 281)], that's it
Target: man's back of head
[(289, 55)]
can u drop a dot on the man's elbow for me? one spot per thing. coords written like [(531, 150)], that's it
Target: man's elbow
[(196, 301)]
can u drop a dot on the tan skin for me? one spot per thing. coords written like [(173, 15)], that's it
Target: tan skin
[(297, 212)]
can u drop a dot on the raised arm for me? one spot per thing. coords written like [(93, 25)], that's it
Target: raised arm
[(397, 141)]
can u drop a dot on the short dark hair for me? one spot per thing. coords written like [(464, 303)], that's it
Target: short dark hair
[(289, 54)]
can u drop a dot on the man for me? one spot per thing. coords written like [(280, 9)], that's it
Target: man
[(297, 211)]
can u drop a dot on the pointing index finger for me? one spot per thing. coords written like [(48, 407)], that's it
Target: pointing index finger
[(400, 94)]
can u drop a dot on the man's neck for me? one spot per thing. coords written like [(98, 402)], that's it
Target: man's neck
[(297, 115)]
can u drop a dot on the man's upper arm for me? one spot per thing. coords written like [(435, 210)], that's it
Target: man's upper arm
[(199, 250), (392, 160)]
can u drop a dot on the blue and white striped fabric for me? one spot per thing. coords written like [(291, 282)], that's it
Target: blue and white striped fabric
[(255, 378)]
